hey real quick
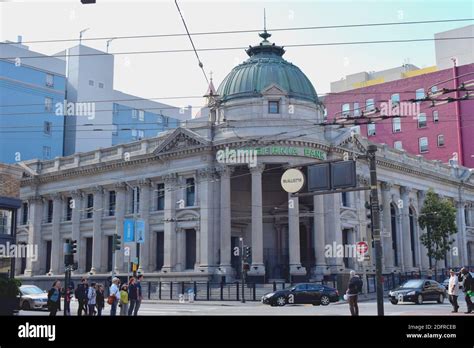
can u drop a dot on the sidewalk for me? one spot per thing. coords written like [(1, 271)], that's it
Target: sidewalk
[(205, 303)]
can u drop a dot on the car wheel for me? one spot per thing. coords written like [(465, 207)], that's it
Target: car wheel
[(441, 298), (281, 301), (25, 306), (394, 302), (325, 300), (419, 299)]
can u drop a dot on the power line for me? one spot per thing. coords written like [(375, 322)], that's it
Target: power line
[(244, 31), (209, 49)]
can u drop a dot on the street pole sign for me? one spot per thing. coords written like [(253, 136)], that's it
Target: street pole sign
[(140, 231), (292, 180), (128, 230)]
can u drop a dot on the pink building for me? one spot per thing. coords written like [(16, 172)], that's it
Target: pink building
[(437, 132)]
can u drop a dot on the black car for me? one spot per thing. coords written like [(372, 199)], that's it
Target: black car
[(308, 293), (418, 291)]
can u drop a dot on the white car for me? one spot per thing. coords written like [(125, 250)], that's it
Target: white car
[(33, 297)]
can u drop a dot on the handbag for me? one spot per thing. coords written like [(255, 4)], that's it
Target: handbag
[(111, 299)]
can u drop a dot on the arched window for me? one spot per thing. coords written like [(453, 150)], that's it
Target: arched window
[(393, 218)]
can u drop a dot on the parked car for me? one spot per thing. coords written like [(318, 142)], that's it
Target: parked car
[(307, 293), (33, 297), (418, 291)]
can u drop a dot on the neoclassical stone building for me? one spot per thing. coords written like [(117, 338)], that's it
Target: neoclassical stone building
[(196, 209)]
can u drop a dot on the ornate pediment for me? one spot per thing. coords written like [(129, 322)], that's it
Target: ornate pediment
[(181, 139), (274, 89), (351, 142)]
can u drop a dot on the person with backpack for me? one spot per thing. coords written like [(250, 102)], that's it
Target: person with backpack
[(353, 289), (91, 299), (81, 296), (54, 298), (100, 299)]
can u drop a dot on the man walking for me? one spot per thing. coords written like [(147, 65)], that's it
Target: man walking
[(81, 296), (467, 287), (140, 297), (453, 288), (353, 289)]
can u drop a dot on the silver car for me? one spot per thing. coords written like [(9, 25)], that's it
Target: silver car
[(33, 297)]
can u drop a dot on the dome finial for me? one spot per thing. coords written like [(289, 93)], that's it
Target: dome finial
[(265, 35)]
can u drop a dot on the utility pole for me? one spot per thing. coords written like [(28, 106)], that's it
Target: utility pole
[(374, 204), (242, 258)]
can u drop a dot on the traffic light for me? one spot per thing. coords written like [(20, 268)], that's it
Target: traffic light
[(68, 260), (73, 246), (248, 252), (117, 243), (369, 214)]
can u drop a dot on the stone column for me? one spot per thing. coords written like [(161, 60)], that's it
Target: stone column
[(75, 203), (35, 205), (225, 268), (207, 223), (180, 250), (425, 262), (294, 236), (333, 230), (97, 236), (257, 268), (169, 261), (56, 245), (145, 201), (405, 233), (198, 248), (387, 243), (461, 234), (318, 237), (120, 204)]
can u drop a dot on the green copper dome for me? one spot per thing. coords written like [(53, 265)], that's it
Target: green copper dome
[(264, 68)]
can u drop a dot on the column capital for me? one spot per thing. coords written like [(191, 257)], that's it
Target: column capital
[(120, 186), (144, 182), (34, 199), (97, 189), (363, 179), (170, 179), (76, 194), (386, 185), (258, 169), (225, 171), (206, 173), (421, 194), (405, 190)]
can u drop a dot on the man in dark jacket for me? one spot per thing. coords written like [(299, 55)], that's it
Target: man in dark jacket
[(81, 296), (468, 284), (353, 289)]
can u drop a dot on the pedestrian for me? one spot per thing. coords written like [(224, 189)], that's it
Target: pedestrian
[(124, 300), (139, 297), (67, 302), (54, 298), (467, 287), (132, 295), (91, 299), (114, 295), (453, 288), (354, 287), (81, 296), (99, 299)]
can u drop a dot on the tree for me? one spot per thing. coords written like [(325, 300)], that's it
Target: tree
[(438, 216)]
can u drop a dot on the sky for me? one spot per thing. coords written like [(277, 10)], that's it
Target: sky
[(178, 74)]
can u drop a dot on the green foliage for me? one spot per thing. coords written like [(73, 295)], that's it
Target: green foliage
[(9, 287), (438, 216)]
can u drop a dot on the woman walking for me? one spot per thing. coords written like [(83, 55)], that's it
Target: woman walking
[(124, 300), (91, 299), (54, 298), (99, 299)]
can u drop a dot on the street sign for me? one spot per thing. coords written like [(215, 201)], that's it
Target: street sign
[(126, 251), (140, 231), (292, 180), (362, 248), (128, 230)]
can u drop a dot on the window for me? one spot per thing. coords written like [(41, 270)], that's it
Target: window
[(134, 113), (140, 134), (112, 197), (356, 110), (90, 206), (421, 120), (48, 104), (160, 201), (159, 119), (369, 105), (91, 82), (69, 209), (135, 208), (47, 127), (141, 115), (423, 144), (396, 125), (371, 129), (420, 94), (49, 80), (395, 99), (346, 110), (435, 116), (345, 199), (101, 85), (24, 213), (46, 152), (6, 217), (190, 191), (398, 145), (134, 132), (273, 107), (440, 140), (49, 214)]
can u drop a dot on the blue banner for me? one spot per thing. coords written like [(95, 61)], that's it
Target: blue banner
[(140, 231), (128, 231)]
